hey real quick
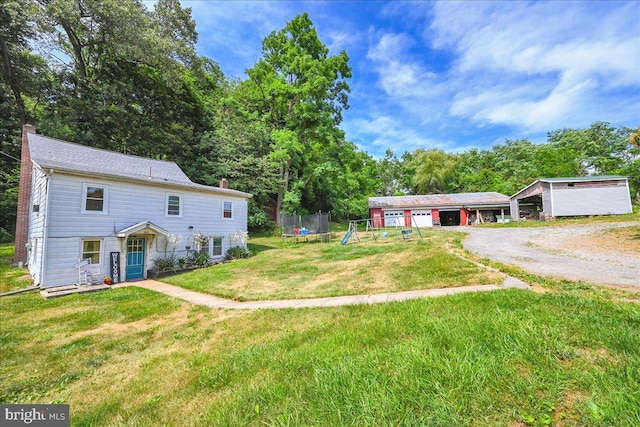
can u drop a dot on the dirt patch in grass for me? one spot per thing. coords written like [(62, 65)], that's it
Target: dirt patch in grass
[(567, 411), (61, 312), (116, 330), (597, 355), (623, 240)]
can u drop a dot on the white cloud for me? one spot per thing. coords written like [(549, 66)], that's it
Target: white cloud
[(537, 66), (405, 80), (232, 32), (425, 74), (381, 132), (339, 40), (401, 75)]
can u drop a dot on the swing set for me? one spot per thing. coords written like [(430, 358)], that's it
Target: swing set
[(397, 230)]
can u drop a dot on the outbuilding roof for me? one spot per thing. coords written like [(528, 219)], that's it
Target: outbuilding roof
[(585, 178), (440, 200), (51, 153)]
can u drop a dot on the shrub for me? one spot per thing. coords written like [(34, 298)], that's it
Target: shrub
[(202, 260), (237, 252), (5, 236), (164, 264), (259, 221)]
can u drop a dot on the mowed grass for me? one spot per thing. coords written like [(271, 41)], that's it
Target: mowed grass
[(280, 270), (514, 358), (12, 278), (129, 356)]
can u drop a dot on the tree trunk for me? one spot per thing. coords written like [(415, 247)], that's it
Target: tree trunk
[(77, 48), (13, 82), (284, 174)]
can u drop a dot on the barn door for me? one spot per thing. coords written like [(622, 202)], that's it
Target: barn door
[(422, 218)]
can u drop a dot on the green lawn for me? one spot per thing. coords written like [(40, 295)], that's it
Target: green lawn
[(280, 270), (12, 278), (130, 356)]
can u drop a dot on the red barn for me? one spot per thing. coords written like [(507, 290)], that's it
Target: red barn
[(439, 209)]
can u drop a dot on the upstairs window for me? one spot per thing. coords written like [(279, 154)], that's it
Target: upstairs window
[(227, 210), (173, 205), (94, 198)]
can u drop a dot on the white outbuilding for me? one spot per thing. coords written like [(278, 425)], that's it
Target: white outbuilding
[(576, 196)]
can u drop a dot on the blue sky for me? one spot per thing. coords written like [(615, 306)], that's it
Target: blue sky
[(454, 75)]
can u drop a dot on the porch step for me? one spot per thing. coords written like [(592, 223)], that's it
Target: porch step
[(60, 291)]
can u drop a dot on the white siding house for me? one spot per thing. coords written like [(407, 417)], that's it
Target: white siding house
[(91, 203)]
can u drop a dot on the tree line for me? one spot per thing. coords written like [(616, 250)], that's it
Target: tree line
[(113, 74), (601, 149)]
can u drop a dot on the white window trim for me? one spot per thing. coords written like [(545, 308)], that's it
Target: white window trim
[(86, 239), (105, 201), (180, 206), (232, 213), (211, 246)]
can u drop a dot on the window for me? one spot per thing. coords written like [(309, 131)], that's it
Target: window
[(216, 246), (92, 249), (227, 210), (95, 198), (173, 205)]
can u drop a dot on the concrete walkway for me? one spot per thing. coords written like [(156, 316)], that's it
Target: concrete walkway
[(215, 302)]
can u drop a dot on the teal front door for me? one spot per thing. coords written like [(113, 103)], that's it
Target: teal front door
[(135, 257)]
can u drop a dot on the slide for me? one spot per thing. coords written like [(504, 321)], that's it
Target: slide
[(346, 238)]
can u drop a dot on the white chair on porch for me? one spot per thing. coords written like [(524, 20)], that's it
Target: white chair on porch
[(88, 273)]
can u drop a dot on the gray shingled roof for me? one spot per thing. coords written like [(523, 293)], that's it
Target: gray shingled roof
[(439, 200), (51, 153)]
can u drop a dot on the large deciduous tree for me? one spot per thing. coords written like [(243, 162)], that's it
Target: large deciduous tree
[(434, 171), (603, 149), (23, 80), (302, 91), (125, 81)]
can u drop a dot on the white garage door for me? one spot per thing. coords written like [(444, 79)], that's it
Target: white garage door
[(394, 218), (422, 218)]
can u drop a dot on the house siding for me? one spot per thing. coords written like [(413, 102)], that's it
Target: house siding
[(547, 203), (600, 198), (37, 223), (515, 209), (128, 204)]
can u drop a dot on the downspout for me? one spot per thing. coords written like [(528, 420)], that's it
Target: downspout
[(45, 231)]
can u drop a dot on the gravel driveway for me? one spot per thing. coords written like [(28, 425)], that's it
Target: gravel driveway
[(582, 252)]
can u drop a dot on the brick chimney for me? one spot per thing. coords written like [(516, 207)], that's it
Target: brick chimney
[(224, 183), (24, 198)]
